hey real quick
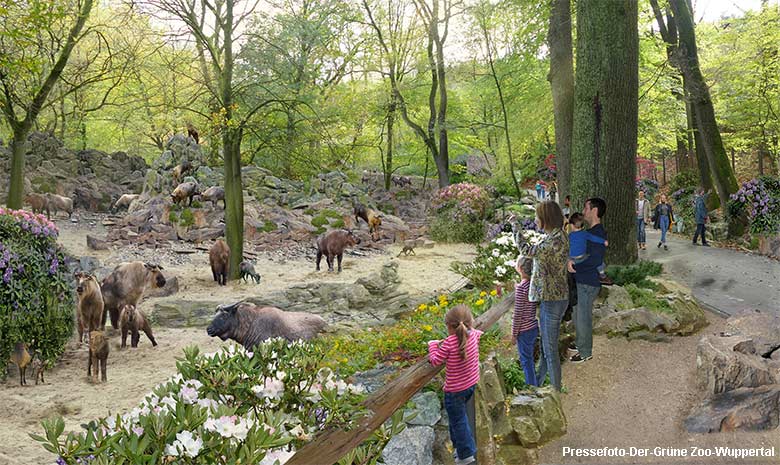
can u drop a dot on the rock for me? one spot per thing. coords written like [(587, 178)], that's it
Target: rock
[(205, 234), (648, 336), (413, 446), (184, 313), (618, 298), (272, 182), (373, 379), (625, 322), (96, 244), (721, 368), (769, 245), (756, 324), (428, 244), (427, 410), (379, 283), (171, 287), (89, 264), (743, 409)]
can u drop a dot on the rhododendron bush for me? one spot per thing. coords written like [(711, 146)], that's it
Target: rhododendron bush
[(460, 212), (760, 199), (234, 406), (36, 301)]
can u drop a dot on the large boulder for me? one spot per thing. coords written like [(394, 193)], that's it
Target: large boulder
[(183, 313), (635, 319), (743, 409), (413, 446), (426, 411), (722, 364)]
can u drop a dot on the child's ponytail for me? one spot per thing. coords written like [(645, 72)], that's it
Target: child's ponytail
[(463, 338), (459, 318)]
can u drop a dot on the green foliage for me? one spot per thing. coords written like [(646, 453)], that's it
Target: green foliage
[(36, 299), (512, 372), (646, 298), (268, 226), (685, 180), (230, 407), (494, 263), (759, 200), (636, 274), (460, 212), (186, 218), (172, 217), (446, 230), (196, 204)]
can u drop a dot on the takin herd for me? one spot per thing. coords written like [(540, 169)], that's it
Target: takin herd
[(116, 298)]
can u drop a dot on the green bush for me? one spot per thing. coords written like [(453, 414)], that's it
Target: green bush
[(460, 211), (688, 179), (646, 298), (268, 226), (319, 221), (512, 372), (186, 218), (446, 230), (230, 407), (172, 217), (635, 274), (196, 204), (339, 223), (36, 300)]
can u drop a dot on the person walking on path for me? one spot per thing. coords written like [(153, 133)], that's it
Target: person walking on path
[(662, 219), (549, 287), (553, 191), (700, 214), (539, 189), (525, 328), (642, 218), (588, 283)]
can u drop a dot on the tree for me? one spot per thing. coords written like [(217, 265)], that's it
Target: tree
[(561, 79), (605, 116), (35, 45)]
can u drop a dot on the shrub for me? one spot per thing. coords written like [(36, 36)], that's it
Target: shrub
[(760, 199), (36, 301), (646, 298), (186, 218), (635, 274), (230, 407), (319, 220), (648, 186), (268, 226), (460, 211), (512, 372), (688, 179)]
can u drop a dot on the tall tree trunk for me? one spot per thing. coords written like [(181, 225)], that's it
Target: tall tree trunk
[(722, 175), (606, 116), (389, 158), (681, 154), (18, 151), (703, 165), (561, 77)]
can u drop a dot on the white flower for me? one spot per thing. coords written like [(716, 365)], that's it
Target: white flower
[(500, 271), (510, 263), (280, 375), (188, 395), (208, 404), (272, 388), (169, 402), (274, 456), (496, 252), (503, 239), (241, 429), (186, 443), (193, 383), (111, 422)]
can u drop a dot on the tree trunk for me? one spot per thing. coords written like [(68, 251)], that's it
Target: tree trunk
[(722, 175), (606, 116), (561, 77), (389, 158), (733, 160), (18, 151)]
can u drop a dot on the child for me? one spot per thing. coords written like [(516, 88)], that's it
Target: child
[(525, 328), (460, 352), (578, 239)]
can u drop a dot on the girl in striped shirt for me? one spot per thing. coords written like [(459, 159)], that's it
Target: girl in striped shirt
[(460, 352), (525, 328)]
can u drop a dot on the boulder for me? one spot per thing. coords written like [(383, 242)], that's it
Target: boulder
[(171, 287), (617, 298), (721, 367), (413, 446), (636, 319), (204, 234), (426, 411), (769, 245), (95, 243), (183, 313), (743, 409)]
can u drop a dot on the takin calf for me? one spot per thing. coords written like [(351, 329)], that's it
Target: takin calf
[(185, 190), (125, 285), (37, 202), (134, 320), (214, 194), (58, 203), (249, 324), (98, 355), (21, 358), (247, 271), (371, 217), (124, 201), (181, 170), (219, 259), (332, 244), (89, 308)]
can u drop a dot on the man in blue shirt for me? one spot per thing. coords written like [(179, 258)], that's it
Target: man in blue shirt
[(700, 214), (587, 278)]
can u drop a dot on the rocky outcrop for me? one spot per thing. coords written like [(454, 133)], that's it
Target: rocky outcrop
[(412, 446), (743, 409)]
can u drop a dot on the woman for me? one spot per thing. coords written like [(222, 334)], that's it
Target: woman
[(662, 219), (550, 287)]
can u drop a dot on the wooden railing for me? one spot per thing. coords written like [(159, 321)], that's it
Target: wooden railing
[(329, 447)]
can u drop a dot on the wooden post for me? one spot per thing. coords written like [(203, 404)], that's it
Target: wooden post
[(331, 446)]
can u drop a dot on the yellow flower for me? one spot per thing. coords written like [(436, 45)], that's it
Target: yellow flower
[(345, 360), (443, 297), (494, 293), (482, 294), (427, 327), (422, 307), (479, 302)]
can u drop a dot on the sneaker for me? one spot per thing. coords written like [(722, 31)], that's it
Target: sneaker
[(577, 358), (706, 245), (659, 245), (666, 247), (572, 349), (606, 280), (466, 461)]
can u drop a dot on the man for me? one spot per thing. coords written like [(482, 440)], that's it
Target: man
[(587, 278), (567, 207), (700, 214), (642, 218)]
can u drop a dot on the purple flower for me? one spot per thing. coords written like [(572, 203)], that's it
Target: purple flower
[(7, 275)]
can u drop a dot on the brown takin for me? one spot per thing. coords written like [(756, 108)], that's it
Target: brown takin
[(38, 367), (134, 320), (181, 170), (21, 358), (98, 355), (371, 217), (332, 244), (37, 202), (124, 201), (126, 285), (89, 308), (185, 190), (58, 203), (249, 325), (214, 194), (219, 259)]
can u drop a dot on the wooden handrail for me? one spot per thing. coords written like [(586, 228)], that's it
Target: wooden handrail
[(331, 446)]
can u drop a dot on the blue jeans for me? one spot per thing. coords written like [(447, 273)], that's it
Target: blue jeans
[(460, 431), (663, 222), (640, 231), (550, 316), (526, 341), (700, 229), (583, 318)]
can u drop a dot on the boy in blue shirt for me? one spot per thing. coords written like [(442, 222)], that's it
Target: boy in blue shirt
[(578, 239)]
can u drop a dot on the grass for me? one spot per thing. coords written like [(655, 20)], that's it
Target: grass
[(635, 274), (646, 298), (268, 226)]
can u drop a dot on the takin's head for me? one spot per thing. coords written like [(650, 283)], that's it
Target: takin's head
[(351, 238), (128, 312), (84, 281), (225, 323), (155, 275)]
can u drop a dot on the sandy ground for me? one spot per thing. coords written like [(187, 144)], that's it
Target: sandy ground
[(132, 373)]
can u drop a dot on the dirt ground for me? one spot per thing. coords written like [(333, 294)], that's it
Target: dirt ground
[(132, 373)]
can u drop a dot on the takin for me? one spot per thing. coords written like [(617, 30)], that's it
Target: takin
[(89, 308), (332, 244), (371, 217), (21, 358), (126, 285), (58, 203), (124, 201), (134, 320), (181, 170), (248, 272), (37, 202), (249, 324), (185, 190), (214, 194), (219, 259), (98, 355)]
